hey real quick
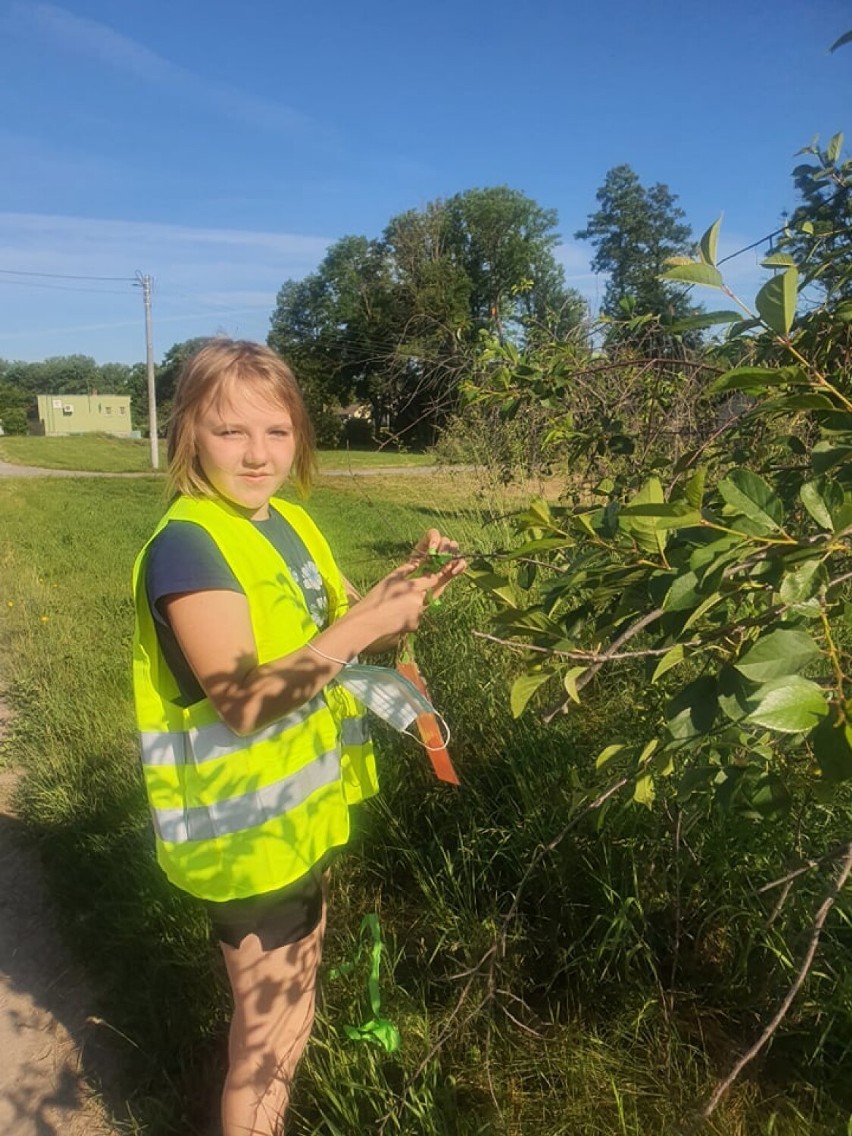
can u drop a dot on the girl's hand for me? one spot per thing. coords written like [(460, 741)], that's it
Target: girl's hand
[(397, 602), (438, 557)]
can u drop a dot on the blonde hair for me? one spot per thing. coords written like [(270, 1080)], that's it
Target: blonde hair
[(210, 375)]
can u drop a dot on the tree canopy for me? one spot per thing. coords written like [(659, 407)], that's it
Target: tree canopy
[(820, 229), (394, 320), (634, 232)]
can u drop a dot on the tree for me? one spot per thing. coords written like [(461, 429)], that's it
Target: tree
[(14, 404), (634, 232), (396, 320), (820, 231), (715, 584)]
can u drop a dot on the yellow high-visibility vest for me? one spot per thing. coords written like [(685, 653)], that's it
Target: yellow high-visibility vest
[(239, 816)]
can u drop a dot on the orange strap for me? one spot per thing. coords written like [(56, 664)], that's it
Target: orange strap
[(428, 726)]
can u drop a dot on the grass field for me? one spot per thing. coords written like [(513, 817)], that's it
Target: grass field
[(586, 1025), (103, 454)]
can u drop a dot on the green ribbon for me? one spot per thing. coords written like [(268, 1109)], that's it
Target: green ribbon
[(378, 1029)]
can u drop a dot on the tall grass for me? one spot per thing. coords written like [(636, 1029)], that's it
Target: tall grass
[(638, 958)]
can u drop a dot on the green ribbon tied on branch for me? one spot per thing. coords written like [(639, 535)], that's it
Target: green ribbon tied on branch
[(433, 562), (378, 1030)]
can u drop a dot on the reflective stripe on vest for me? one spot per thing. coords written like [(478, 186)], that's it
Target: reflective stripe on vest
[(235, 814), (216, 740)]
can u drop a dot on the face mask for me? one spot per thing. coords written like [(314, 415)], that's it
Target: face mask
[(390, 696)]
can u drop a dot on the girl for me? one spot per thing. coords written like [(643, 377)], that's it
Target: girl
[(252, 753)]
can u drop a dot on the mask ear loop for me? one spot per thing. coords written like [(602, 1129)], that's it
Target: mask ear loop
[(439, 717)]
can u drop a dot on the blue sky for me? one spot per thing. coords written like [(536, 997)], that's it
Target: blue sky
[(221, 147)]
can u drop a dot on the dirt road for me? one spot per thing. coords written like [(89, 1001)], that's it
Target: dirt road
[(47, 1039)]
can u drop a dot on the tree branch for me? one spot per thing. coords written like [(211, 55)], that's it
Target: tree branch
[(804, 969)]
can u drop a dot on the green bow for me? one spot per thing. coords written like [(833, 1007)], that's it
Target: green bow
[(377, 1029)]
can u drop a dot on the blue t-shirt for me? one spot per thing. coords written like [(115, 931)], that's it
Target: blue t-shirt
[(183, 557)]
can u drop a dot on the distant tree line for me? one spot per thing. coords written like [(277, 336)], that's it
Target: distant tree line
[(396, 322)]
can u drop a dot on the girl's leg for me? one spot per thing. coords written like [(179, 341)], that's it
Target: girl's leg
[(274, 999)]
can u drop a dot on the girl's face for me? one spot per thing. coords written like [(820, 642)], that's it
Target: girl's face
[(245, 446)]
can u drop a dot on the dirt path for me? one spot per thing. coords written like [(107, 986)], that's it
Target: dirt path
[(45, 1041)]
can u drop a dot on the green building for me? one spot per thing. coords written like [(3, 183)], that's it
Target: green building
[(84, 414)]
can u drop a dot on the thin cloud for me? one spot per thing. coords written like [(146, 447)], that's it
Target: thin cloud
[(81, 243), (205, 280), (98, 41)]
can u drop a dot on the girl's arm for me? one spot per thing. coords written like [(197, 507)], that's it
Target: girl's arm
[(213, 629)]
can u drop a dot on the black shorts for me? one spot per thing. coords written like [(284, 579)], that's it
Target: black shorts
[(276, 917)]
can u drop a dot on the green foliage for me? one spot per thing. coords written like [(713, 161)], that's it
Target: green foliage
[(818, 233), (13, 409), (20, 382), (394, 322), (726, 581), (635, 231)]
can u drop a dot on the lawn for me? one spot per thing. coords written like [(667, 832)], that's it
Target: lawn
[(101, 453)]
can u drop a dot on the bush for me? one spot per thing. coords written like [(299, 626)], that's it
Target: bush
[(14, 421)]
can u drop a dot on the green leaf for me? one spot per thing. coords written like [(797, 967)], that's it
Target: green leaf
[(778, 260), (813, 501), (671, 659), (781, 652), (647, 750), (695, 273), (495, 584), (643, 791), (802, 583), (543, 544), (709, 243), (693, 711), (776, 301), (832, 150), (569, 681), (702, 610), (751, 496), (826, 455), (541, 511), (756, 379), (733, 696), (608, 753), (666, 515), (683, 594), (524, 687), (832, 746), (644, 530), (705, 319), (811, 400), (695, 487), (790, 705)]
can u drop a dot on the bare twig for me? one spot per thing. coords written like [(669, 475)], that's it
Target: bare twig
[(633, 630), (819, 922), (808, 866)]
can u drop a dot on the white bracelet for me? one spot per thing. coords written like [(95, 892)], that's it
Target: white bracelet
[(323, 655)]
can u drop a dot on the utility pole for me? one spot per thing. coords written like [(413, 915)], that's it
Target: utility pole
[(144, 282)]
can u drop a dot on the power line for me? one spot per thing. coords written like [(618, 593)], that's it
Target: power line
[(61, 288), (65, 276)]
